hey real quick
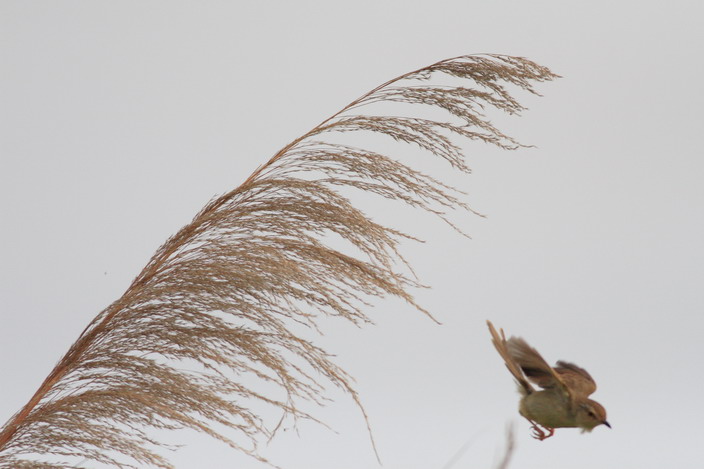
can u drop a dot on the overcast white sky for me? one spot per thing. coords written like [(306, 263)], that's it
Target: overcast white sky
[(119, 120)]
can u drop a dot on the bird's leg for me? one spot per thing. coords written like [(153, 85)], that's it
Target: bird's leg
[(551, 432), (538, 432)]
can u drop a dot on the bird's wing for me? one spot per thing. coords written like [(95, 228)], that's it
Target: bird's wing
[(576, 378), (534, 366), (499, 342)]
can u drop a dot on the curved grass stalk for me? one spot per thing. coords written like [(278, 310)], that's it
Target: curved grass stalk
[(206, 333)]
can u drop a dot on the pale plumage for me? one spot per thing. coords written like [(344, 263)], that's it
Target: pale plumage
[(563, 400)]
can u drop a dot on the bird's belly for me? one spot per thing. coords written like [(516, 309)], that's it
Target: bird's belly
[(548, 408)]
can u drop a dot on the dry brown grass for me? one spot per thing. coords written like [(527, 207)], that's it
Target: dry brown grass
[(211, 314)]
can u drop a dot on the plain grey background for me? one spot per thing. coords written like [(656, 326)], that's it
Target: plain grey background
[(119, 120)]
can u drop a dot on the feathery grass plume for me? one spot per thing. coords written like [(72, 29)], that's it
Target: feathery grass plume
[(206, 332)]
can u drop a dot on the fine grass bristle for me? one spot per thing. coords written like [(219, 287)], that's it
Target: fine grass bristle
[(206, 333)]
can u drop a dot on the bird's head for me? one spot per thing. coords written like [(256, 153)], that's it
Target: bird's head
[(590, 414)]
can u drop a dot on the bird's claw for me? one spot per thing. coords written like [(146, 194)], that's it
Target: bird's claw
[(539, 432)]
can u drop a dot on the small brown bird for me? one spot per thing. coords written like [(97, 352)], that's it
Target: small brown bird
[(563, 401)]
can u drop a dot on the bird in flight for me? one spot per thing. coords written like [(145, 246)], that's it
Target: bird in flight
[(563, 400)]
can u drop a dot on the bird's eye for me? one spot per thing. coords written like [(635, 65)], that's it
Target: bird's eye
[(591, 414)]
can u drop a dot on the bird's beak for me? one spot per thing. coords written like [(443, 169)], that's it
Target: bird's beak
[(606, 423)]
